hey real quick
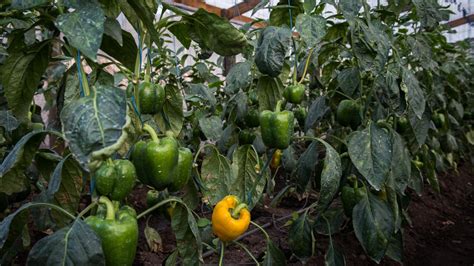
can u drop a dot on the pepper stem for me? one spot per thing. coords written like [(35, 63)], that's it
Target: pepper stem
[(278, 107), (236, 212), (169, 133), (151, 131), (110, 207)]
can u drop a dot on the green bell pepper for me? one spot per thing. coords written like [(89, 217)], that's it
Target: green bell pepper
[(349, 114), (118, 232), (246, 137), (115, 179), (252, 119), (277, 127), (151, 98), (350, 196), (155, 161), (294, 93), (183, 169)]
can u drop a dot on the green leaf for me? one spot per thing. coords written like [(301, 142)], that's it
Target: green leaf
[(414, 94), (146, 11), (300, 237), (311, 28), (269, 92), (430, 13), (420, 126), (401, 163), (126, 53), (370, 151), (373, 225), (211, 127), (172, 117), (248, 184), (95, 126), (22, 72), (181, 31), (273, 255), (216, 177), (215, 33), (330, 176), (306, 165), (259, 6), (13, 167), (271, 50), (316, 112), (239, 77), (336, 219), (350, 8), (348, 80), (8, 121), (113, 29), (27, 4), (334, 256), (73, 245), (202, 92), (84, 28), (188, 239), (309, 5), (280, 14), (395, 247)]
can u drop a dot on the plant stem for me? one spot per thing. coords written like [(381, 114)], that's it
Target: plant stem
[(87, 209), (152, 132), (248, 252), (70, 215), (156, 206), (236, 212), (261, 229), (306, 65), (221, 257), (110, 207)]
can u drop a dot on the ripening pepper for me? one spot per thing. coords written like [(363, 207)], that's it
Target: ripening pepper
[(403, 125), (246, 137), (230, 218), (151, 97), (350, 196), (118, 232), (155, 161), (115, 179), (276, 159), (183, 169), (277, 127), (349, 114), (294, 93)]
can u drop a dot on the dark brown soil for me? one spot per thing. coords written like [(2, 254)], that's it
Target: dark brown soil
[(441, 230)]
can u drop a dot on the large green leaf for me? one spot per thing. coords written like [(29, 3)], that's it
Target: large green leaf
[(125, 53), (26, 4), (311, 28), (172, 117), (95, 126), (371, 153), (73, 245), (211, 127), (273, 255), (421, 125), (216, 177), (430, 12), (8, 121), (272, 47), (300, 237), (349, 80), (414, 94), (200, 92), (214, 33), (280, 14), (269, 92), (239, 77), (330, 176), (373, 225), (188, 238), (84, 27), (145, 11), (400, 170), (13, 167), (249, 182), (316, 112), (350, 8), (21, 75), (306, 165)]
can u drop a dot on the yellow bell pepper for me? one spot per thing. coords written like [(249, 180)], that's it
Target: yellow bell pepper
[(230, 218)]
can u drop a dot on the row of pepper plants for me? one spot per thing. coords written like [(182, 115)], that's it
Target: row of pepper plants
[(353, 111)]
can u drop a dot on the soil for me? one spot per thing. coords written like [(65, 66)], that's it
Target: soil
[(441, 231)]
